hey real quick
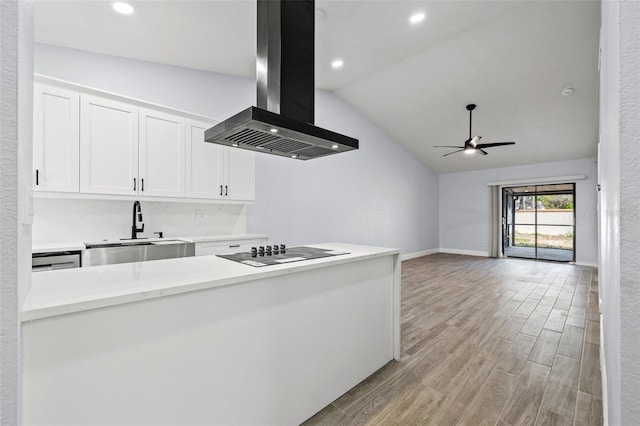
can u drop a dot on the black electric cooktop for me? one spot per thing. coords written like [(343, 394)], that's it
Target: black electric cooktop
[(290, 254)]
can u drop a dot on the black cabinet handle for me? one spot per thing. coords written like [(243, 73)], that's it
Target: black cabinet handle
[(134, 184), (37, 177), (226, 190), (142, 184), (235, 246), (220, 189)]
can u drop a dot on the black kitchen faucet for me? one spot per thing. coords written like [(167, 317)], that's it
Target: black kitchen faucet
[(137, 220)]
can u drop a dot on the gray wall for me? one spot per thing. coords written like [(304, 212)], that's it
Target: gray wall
[(379, 195), (619, 163), (464, 205), (16, 88)]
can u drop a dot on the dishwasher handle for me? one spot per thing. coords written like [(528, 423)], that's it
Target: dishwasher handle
[(53, 261)]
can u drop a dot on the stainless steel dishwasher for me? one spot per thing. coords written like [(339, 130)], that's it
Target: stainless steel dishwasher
[(55, 260)]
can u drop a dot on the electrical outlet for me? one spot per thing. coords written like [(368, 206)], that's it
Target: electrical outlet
[(201, 215), (481, 243)]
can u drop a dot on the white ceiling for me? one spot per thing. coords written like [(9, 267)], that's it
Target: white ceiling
[(512, 58)]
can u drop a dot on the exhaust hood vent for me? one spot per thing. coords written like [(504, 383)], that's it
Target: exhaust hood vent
[(282, 123)]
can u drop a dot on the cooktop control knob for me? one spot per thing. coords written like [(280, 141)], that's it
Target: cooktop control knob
[(283, 248), (268, 250), (276, 249), (261, 251), (254, 252)]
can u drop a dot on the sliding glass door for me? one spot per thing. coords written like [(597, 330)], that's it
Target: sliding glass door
[(539, 222)]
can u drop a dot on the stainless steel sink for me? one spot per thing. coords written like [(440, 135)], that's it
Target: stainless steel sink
[(120, 244), (135, 251)]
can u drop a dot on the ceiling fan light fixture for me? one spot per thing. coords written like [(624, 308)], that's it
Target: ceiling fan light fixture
[(469, 150)]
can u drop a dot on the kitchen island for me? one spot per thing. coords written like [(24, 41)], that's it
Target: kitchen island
[(205, 340)]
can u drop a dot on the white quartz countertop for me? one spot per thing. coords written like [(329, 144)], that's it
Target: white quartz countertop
[(79, 246), (57, 247), (214, 238), (67, 291)]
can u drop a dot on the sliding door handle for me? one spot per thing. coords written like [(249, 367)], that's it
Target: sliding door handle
[(37, 177), (226, 190), (134, 184)]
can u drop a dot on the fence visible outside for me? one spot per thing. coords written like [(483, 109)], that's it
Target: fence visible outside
[(555, 228)]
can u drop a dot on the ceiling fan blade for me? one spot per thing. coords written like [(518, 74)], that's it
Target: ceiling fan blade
[(489, 145), (454, 152), (447, 146), (483, 151)]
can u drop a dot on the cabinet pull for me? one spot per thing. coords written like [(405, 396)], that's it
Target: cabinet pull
[(37, 177), (220, 189), (226, 190), (234, 246), (142, 184), (134, 184)]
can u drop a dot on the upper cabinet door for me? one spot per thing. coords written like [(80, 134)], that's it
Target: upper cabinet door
[(162, 154), (108, 146), (240, 170), (205, 163), (56, 138)]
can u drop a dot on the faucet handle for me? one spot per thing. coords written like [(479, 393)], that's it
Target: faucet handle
[(160, 234)]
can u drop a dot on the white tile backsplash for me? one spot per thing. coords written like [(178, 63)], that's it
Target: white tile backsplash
[(63, 220)]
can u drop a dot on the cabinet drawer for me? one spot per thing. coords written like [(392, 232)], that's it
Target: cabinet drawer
[(231, 246)]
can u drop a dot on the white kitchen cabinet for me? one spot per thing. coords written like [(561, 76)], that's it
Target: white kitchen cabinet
[(230, 246), (215, 171), (56, 139), (161, 161), (96, 143), (239, 179), (108, 146), (204, 163)]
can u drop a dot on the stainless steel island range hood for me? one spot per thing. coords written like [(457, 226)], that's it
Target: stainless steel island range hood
[(282, 122)]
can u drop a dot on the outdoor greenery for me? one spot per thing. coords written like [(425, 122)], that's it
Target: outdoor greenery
[(564, 201), (545, 241)]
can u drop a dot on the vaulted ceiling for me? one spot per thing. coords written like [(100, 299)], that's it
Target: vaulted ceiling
[(511, 58)]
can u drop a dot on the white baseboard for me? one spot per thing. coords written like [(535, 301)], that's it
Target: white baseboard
[(465, 252), (418, 254), (603, 373), (589, 264)]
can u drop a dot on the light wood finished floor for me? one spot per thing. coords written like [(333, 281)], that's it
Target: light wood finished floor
[(486, 342)]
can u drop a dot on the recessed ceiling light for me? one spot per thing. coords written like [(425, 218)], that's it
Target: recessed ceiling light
[(234, 144), (338, 63), (334, 146), (274, 130), (417, 17), (124, 8), (294, 156), (566, 91)]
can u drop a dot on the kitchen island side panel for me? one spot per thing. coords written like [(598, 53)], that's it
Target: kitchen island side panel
[(269, 351)]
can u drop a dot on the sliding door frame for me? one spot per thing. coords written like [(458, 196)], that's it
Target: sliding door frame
[(511, 233)]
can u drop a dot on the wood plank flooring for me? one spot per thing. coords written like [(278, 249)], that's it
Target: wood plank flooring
[(486, 342)]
